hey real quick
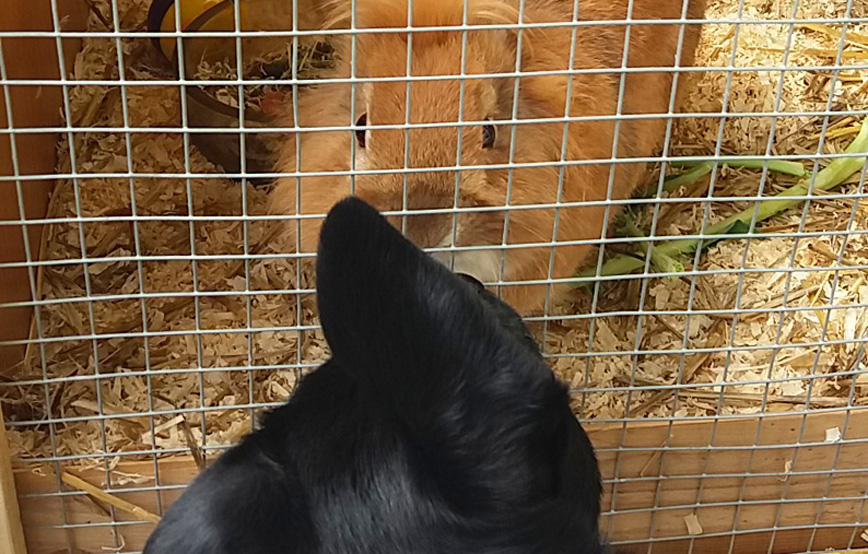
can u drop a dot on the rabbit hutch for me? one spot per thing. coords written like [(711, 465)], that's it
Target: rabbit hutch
[(151, 309)]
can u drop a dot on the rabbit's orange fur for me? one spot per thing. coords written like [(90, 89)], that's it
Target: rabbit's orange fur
[(490, 51)]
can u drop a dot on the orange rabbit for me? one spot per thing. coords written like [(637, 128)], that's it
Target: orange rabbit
[(438, 53)]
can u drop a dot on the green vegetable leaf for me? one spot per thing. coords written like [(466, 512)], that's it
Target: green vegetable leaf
[(737, 227)]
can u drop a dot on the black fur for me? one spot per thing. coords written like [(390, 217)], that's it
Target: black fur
[(436, 427)]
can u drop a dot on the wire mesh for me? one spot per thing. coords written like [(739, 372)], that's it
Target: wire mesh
[(167, 313)]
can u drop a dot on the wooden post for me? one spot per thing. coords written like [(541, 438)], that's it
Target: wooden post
[(11, 530), (31, 107)]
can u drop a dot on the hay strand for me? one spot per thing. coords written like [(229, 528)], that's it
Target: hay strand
[(110, 499)]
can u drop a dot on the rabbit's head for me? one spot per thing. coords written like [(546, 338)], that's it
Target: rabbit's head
[(491, 139), (438, 100)]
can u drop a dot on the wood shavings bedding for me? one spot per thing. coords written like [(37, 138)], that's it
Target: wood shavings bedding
[(113, 375), (312, 55)]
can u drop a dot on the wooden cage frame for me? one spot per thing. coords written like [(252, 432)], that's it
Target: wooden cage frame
[(751, 491), (754, 466)]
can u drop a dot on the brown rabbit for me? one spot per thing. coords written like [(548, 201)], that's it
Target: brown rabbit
[(438, 53)]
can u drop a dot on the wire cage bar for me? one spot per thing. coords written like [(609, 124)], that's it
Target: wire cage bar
[(714, 341)]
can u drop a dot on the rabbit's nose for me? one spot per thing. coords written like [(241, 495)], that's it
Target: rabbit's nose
[(482, 265)]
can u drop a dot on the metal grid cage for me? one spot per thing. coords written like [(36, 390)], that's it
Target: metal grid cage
[(150, 309)]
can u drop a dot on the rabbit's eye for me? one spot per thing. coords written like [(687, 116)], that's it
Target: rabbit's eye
[(488, 136), (360, 133)]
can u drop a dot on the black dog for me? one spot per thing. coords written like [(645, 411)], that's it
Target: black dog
[(435, 428)]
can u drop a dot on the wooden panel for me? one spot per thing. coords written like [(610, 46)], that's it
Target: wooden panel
[(722, 455), (28, 58), (647, 479)]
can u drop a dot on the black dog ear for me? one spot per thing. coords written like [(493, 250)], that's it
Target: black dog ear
[(445, 358), (421, 336), (382, 301)]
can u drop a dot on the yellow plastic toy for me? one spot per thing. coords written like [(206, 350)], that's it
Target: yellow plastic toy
[(161, 17)]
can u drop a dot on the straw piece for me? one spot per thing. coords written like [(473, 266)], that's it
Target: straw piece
[(819, 52), (852, 36), (147, 436), (99, 494), (693, 526)]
